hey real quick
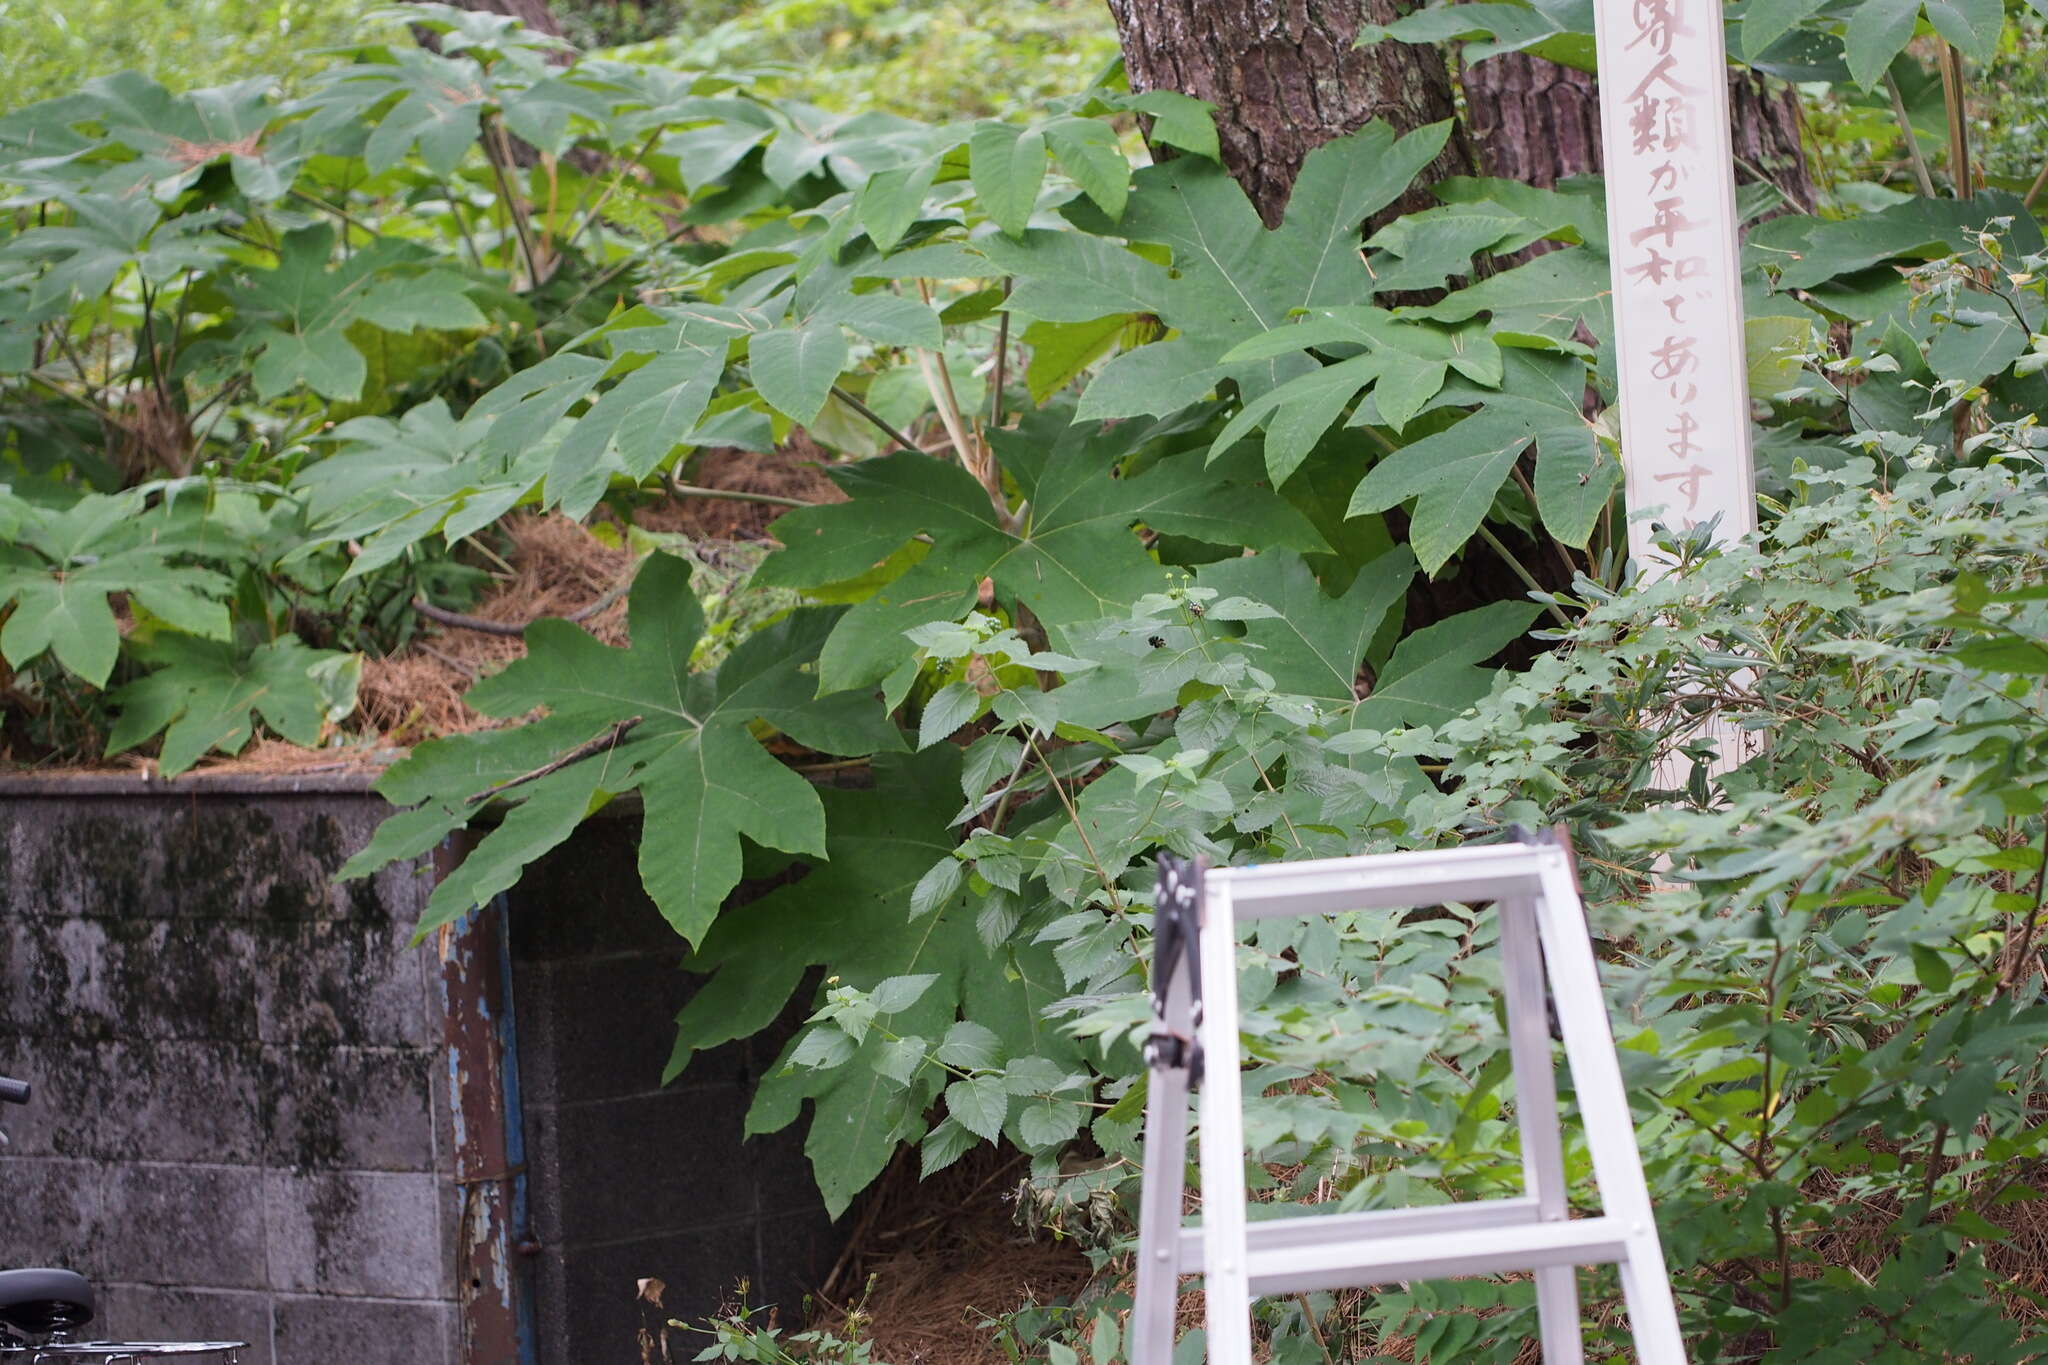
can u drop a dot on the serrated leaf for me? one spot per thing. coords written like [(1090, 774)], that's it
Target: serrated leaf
[(1090, 154), (894, 994), (951, 707), (936, 887), (1314, 645), (945, 1144), (979, 1105), (970, 1046), (1452, 476)]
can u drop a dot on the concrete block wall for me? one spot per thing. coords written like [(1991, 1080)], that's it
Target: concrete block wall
[(642, 1182), (240, 1125)]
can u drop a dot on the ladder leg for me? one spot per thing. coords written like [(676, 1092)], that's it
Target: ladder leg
[(1603, 1104), (1166, 1157), (1226, 1276), (1557, 1293)]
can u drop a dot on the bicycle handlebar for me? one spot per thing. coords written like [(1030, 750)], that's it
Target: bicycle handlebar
[(13, 1091)]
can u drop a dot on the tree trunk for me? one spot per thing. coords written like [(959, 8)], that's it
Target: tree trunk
[(532, 13), (1537, 122), (1285, 79)]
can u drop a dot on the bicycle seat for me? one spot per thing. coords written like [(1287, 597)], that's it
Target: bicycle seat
[(44, 1301)]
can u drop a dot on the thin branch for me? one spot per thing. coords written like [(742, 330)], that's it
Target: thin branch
[(617, 269), (483, 626), (513, 208), (1912, 138), (603, 743), (876, 419), (679, 491), (339, 212), (995, 401), (1087, 844)]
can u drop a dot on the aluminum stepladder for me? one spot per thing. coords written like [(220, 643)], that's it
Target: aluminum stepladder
[(1545, 944)]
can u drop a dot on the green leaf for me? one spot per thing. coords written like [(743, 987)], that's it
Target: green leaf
[(298, 313), (895, 994), (1972, 25), (849, 916), (945, 1144), (208, 694), (1008, 167), (1075, 559), (1091, 156), (684, 741), (1878, 31), (1452, 476), (1179, 121), (951, 707), (979, 1105), (1766, 21), (936, 887), (1314, 646), (795, 367)]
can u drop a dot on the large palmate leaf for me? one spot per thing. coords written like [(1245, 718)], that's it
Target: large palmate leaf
[(852, 916), (1405, 364), (1452, 476), (298, 313), (106, 236), (207, 693), (633, 719), (59, 569), (414, 101), (1231, 276), (1072, 558), (391, 484)]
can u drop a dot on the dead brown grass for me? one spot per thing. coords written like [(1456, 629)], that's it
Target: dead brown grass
[(931, 1260)]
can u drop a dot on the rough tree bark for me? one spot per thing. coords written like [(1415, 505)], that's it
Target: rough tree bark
[(1285, 79), (532, 13), (1538, 122)]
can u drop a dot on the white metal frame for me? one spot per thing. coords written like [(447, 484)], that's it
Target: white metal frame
[(1544, 943)]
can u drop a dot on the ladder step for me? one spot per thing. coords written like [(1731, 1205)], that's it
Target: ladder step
[(1300, 1230), (1388, 881), (1434, 1255), (1296, 1255)]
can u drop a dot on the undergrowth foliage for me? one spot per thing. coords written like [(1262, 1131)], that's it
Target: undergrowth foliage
[(1140, 497)]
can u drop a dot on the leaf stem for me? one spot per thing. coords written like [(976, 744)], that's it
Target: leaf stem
[(1912, 138), (875, 419), (1522, 572), (1094, 859)]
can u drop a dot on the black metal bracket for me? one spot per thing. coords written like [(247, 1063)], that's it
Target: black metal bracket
[(1176, 947)]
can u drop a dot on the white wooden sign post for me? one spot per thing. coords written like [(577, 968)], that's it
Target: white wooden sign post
[(1672, 243)]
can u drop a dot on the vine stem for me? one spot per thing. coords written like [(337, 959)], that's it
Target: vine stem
[(1094, 859)]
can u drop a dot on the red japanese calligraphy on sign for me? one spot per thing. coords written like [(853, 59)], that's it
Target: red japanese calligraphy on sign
[(1677, 297)]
